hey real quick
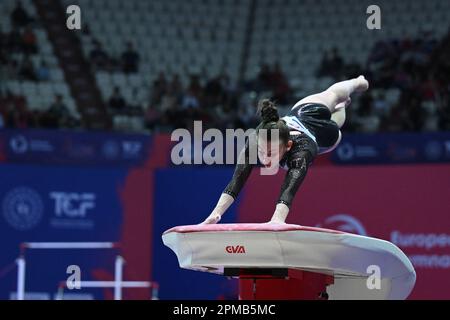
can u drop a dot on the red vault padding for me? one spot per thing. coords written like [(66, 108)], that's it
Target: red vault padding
[(281, 284)]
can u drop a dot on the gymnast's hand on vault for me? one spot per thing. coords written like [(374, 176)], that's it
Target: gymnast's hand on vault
[(212, 219)]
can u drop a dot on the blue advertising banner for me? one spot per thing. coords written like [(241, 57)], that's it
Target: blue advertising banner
[(71, 147), (99, 148), (393, 148)]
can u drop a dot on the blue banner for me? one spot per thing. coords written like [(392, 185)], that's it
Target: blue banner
[(72, 147), (393, 148)]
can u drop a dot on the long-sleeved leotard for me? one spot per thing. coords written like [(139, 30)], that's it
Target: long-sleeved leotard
[(297, 161), (242, 171)]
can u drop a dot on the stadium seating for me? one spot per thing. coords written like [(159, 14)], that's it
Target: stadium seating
[(208, 37), (39, 95)]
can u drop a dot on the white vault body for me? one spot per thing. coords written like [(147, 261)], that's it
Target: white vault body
[(349, 258)]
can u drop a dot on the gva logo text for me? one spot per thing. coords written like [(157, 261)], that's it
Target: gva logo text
[(235, 249), (71, 204)]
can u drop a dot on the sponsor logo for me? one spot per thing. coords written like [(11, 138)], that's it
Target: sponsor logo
[(447, 148), (131, 149), (429, 249), (22, 208), (345, 152), (18, 144), (71, 210), (349, 152), (111, 150), (346, 223), (235, 249), (433, 150), (72, 204)]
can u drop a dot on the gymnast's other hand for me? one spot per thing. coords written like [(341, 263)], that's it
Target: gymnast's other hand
[(280, 214), (222, 205)]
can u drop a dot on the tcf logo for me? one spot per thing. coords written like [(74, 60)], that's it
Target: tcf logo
[(71, 204), (235, 249)]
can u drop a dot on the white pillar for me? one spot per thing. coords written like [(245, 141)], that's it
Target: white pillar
[(118, 270), (155, 291), (20, 278)]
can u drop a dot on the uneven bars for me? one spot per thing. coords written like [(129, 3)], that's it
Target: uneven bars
[(52, 245), (110, 284), (69, 245)]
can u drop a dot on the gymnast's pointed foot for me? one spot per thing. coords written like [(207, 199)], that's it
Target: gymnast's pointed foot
[(344, 104), (361, 84)]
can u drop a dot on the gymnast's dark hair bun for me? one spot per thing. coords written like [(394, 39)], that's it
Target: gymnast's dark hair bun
[(269, 112)]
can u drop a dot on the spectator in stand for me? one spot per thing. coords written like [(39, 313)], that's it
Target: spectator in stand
[(170, 100), (12, 102), (195, 87), (213, 92), (3, 43), (58, 114), (29, 41), (365, 118), (3, 108), (26, 71), (34, 119), (175, 86), (332, 65), (325, 64), (264, 78), (17, 120), (152, 118), (14, 110), (336, 64), (99, 58), (135, 104), (14, 41), (130, 59), (19, 17), (43, 72), (190, 100), (158, 89), (280, 89), (116, 102), (11, 69)]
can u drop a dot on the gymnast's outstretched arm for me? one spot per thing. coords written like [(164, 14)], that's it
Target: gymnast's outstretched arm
[(299, 163), (240, 176)]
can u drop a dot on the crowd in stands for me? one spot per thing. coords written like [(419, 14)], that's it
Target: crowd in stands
[(127, 63), (415, 71), (16, 50), (15, 114)]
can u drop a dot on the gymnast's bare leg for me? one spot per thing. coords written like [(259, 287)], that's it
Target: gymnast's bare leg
[(337, 96), (337, 99)]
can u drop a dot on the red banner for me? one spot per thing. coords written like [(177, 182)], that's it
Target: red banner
[(408, 205)]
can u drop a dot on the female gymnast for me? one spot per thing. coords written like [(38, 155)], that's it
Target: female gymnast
[(309, 129)]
